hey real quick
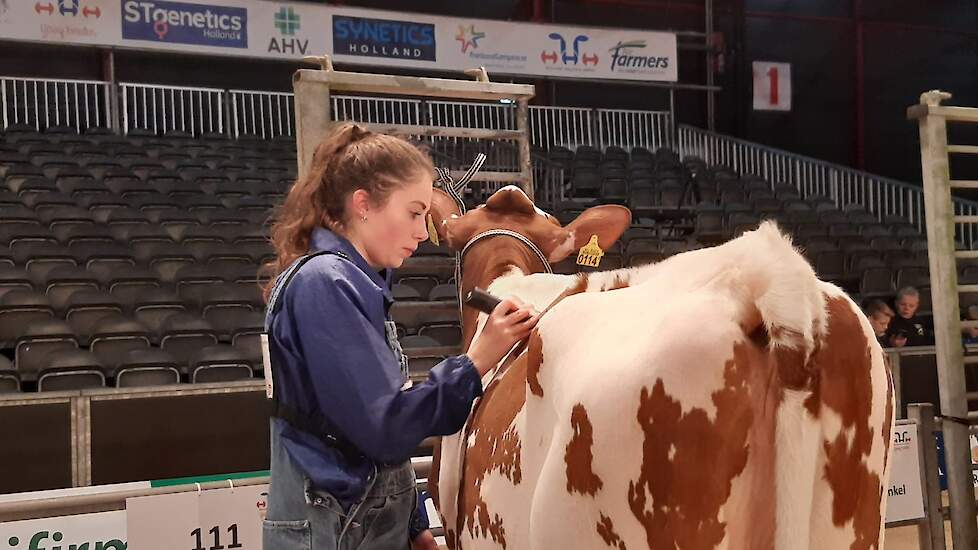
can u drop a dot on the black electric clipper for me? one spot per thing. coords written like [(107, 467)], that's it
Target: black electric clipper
[(481, 300)]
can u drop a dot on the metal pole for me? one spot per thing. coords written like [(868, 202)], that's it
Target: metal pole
[(896, 370), (939, 212), (522, 125), (672, 117), (3, 101), (710, 95), (930, 531)]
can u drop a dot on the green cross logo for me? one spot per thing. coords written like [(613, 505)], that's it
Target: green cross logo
[(286, 21)]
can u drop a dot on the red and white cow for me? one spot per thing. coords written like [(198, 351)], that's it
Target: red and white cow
[(724, 398)]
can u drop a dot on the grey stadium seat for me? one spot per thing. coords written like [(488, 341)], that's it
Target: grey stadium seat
[(147, 367), (114, 337), (38, 340), (71, 370), (219, 363)]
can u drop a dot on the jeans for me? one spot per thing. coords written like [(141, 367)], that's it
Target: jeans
[(301, 517)]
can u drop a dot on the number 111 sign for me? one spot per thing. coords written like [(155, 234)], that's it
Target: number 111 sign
[(218, 519), (772, 86)]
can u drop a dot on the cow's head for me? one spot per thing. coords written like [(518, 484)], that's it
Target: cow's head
[(510, 208)]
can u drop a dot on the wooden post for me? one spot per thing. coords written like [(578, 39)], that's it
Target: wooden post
[(930, 531), (896, 370), (312, 107), (112, 90), (312, 118), (939, 213)]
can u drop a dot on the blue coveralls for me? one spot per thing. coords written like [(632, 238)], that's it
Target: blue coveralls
[(335, 356)]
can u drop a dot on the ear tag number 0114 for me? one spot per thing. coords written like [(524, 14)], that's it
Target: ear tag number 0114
[(590, 254)]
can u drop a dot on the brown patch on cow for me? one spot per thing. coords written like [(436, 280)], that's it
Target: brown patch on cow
[(888, 418), (888, 412), (607, 531), (534, 359), (620, 281), (579, 286), (843, 383), (451, 540), (495, 448), (579, 456), (689, 462), (794, 370)]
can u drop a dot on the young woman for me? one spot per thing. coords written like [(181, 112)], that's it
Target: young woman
[(345, 421)]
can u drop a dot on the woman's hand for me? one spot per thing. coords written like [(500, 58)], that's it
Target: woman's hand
[(510, 322), (424, 541)]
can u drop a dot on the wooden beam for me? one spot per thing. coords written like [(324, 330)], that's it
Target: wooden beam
[(515, 177), (442, 131), (443, 88), (965, 149), (964, 184)]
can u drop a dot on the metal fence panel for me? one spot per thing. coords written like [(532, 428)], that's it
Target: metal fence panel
[(262, 114), (168, 109), (45, 103)]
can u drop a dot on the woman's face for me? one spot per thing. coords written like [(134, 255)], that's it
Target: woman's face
[(392, 232)]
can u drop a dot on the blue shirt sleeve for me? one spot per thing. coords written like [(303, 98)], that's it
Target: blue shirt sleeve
[(356, 379)]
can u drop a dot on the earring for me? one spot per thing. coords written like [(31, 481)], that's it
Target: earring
[(363, 218)]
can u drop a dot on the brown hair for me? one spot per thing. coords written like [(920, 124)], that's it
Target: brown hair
[(878, 306), (349, 158)]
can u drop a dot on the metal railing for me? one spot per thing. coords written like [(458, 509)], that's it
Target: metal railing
[(168, 109), (630, 128), (572, 127), (560, 126), (377, 110), (455, 114), (43, 103), (847, 187), (265, 114)]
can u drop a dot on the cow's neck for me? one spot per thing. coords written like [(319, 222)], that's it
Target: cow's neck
[(485, 262)]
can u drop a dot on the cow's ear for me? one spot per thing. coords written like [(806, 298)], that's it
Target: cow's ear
[(608, 222), (444, 211), (453, 228)]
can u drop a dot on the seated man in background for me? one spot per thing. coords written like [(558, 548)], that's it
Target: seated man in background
[(879, 315), (906, 329)]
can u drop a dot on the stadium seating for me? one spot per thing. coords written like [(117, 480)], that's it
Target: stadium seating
[(134, 260)]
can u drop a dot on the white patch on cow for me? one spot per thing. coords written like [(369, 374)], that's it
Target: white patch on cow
[(799, 440), (564, 249)]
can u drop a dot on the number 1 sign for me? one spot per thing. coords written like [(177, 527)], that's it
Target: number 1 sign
[(772, 86)]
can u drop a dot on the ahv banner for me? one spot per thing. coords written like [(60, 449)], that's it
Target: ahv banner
[(283, 30)]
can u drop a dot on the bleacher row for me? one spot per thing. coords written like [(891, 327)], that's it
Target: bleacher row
[(135, 260), (866, 255)]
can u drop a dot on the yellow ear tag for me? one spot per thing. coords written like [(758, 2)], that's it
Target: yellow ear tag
[(432, 234), (591, 253)]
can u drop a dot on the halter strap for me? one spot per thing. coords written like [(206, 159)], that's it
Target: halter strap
[(507, 233)]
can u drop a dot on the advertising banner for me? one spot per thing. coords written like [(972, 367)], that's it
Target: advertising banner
[(105, 530), (284, 30), (905, 496)]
